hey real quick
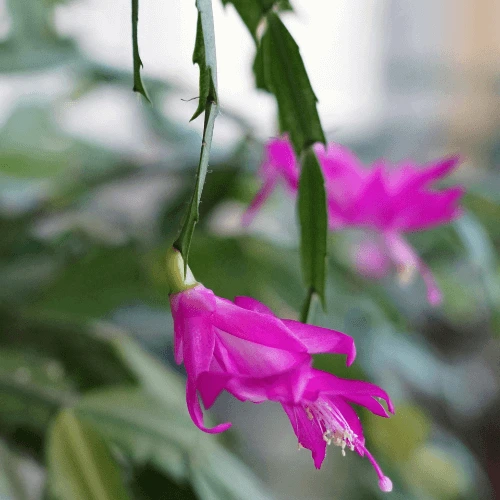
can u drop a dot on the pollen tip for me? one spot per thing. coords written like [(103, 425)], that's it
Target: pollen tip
[(385, 484)]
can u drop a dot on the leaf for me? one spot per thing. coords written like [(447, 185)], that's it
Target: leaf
[(138, 85), (154, 377), (80, 464), (205, 56), (285, 76), (153, 426), (221, 476), (253, 11), (206, 60), (313, 224), (148, 431)]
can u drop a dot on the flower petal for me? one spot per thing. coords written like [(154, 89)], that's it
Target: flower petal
[(284, 387), (323, 340), (308, 432), (252, 305), (259, 200), (196, 413), (330, 385), (198, 343), (246, 358), (370, 403), (255, 327)]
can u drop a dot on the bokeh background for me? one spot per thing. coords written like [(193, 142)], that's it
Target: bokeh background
[(93, 184)]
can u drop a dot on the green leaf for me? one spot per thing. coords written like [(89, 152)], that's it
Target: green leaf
[(205, 56), (313, 224), (253, 11), (147, 430), (154, 377), (153, 427), (80, 463), (138, 85), (285, 76)]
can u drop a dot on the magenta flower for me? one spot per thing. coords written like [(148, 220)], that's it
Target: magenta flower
[(243, 348), (390, 200), (257, 354)]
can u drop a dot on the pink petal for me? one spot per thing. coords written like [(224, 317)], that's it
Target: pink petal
[(330, 385), (259, 200), (178, 331), (368, 402), (308, 432), (323, 340), (286, 387), (280, 157), (199, 343), (196, 413), (247, 358), (435, 171), (255, 327), (252, 305), (197, 302), (423, 210)]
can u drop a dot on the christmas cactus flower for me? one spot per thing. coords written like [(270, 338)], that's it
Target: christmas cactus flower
[(390, 200), (243, 348), (257, 354)]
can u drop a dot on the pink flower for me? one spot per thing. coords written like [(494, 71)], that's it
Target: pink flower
[(243, 348), (256, 355), (390, 200)]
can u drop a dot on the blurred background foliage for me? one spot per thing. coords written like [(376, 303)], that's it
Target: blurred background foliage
[(92, 405)]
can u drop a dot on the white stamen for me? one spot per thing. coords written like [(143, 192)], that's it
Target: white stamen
[(336, 430)]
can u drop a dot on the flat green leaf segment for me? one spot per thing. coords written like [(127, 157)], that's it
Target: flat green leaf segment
[(80, 464), (205, 56), (138, 85), (279, 68), (314, 226), (253, 11)]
